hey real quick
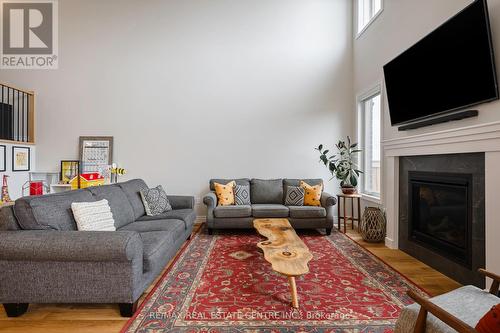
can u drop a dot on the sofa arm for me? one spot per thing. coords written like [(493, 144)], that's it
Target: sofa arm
[(210, 199), (181, 201), (79, 246), (328, 200)]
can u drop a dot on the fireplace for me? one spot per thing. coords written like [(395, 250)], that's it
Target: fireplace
[(440, 214)]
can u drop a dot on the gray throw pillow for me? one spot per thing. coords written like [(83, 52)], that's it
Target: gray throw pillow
[(155, 201), (294, 196), (242, 195)]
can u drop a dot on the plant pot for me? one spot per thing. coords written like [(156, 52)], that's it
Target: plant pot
[(348, 189)]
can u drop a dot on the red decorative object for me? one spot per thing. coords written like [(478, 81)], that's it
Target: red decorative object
[(490, 323), (36, 188), (222, 283)]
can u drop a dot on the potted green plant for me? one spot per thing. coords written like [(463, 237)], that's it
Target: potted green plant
[(342, 165)]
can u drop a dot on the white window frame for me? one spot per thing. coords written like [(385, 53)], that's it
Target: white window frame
[(372, 19), (360, 98)]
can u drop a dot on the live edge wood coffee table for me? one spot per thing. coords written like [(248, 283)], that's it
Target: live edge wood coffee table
[(286, 252)]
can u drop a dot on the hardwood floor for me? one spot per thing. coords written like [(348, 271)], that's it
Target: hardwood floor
[(92, 318)]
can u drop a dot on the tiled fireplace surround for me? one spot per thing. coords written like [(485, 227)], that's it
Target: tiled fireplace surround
[(483, 138)]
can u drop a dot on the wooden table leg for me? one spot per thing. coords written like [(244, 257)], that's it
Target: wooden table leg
[(293, 290), (359, 214), (345, 214), (338, 212), (352, 213)]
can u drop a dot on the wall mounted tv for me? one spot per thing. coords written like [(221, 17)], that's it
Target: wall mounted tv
[(452, 68)]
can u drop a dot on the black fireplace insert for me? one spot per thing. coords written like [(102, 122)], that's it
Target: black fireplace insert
[(440, 213)]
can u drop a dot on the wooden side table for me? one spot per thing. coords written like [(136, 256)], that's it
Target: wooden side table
[(342, 200)]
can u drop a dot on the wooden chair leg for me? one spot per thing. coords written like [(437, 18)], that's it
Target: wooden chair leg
[(15, 309), (421, 321)]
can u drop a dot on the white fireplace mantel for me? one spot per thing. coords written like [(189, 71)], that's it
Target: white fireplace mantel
[(471, 139)]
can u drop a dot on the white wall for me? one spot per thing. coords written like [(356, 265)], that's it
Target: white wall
[(16, 179), (198, 89), (401, 24)]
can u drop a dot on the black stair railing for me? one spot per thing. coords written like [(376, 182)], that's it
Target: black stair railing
[(17, 114)]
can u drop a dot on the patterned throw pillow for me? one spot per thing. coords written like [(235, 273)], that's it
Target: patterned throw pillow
[(155, 201), (242, 194), (225, 193), (93, 216), (490, 323), (294, 196), (313, 194)]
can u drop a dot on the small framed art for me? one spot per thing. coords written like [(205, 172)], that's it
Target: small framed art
[(20, 158), (96, 153), (3, 158), (69, 170)]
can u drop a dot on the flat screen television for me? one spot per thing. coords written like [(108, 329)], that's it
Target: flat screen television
[(452, 68)]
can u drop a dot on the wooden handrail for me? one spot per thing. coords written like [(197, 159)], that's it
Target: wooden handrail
[(449, 319), (29, 92)]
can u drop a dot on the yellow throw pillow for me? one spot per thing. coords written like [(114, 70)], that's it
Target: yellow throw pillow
[(312, 197), (225, 193)]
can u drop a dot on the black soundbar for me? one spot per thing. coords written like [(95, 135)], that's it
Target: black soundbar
[(441, 119)]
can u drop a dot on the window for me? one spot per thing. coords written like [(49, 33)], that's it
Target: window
[(367, 12), (369, 133)]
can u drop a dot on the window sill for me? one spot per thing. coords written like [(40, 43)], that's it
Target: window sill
[(371, 198), (369, 23)]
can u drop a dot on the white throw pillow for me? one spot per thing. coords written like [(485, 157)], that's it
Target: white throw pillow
[(93, 216)]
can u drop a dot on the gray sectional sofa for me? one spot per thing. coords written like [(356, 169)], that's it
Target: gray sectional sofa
[(44, 259), (267, 201)]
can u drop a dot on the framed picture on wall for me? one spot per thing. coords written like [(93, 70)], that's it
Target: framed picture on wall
[(20, 158), (96, 153), (3, 158), (69, 170)]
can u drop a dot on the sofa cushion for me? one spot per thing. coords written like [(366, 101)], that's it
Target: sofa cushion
[(266, 191), (304, 212), (240, 181), (296, 182), (49, 212), (186, 215), (154, 225), (132, 190), (233, 211), (8, 220), (269, 210), (123, 212), (158, 244)]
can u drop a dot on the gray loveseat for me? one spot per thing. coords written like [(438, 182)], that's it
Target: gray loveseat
[(267, 201), (44, 259)]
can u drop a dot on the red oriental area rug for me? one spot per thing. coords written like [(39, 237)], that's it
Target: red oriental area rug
[(222, 283)]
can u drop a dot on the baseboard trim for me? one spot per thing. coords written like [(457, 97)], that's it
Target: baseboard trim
[(390, 243)]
